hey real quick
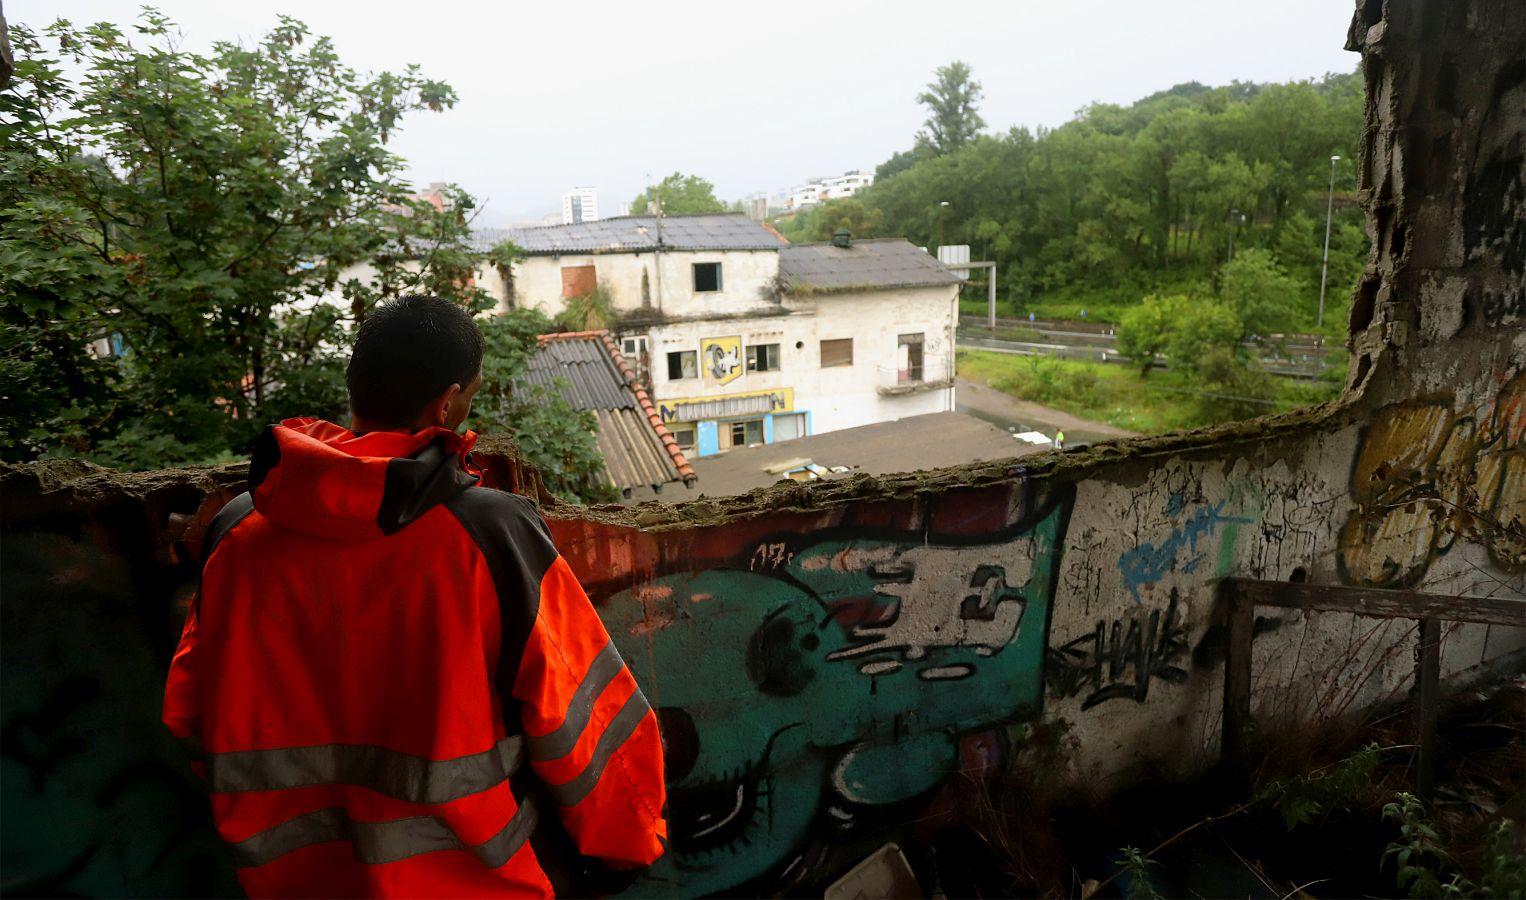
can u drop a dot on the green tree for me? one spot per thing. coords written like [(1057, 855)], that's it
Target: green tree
[(679, 195), (1230, 387), (821, 222), (556, 437), (902, 161), (1124, 202), (222, 222), (191, 208), (1145, 330), (1201, 327), (952, 99), (1259, 292)]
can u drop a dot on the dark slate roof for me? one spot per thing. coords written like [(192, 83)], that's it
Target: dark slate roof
[(586, 369), (872, 264), (633, 234)]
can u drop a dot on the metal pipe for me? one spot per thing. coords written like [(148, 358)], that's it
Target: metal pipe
[(1324, 267)]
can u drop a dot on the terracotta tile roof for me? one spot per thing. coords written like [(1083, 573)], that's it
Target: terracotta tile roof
[(588, 370)]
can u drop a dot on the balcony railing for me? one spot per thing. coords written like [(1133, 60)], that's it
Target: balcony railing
[(934, 374)]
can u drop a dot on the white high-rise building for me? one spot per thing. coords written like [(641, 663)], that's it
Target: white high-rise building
[(818, 190), (581, 204)]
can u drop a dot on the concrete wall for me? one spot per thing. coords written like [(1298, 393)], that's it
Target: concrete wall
[(747, 281), (831, 662)]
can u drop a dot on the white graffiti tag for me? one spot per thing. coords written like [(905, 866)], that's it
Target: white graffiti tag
[(944, 598)]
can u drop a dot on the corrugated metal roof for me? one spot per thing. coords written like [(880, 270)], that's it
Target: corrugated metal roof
[(872, 264), (633, 234), (583, 370)]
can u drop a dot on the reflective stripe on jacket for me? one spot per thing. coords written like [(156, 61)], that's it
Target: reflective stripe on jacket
[(377, 648)]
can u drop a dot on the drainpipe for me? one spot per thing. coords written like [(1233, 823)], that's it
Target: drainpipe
[(953, 319)]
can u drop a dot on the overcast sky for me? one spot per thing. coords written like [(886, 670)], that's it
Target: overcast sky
[(753, 96)]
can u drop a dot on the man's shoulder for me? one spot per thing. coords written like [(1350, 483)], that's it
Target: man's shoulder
[(504, 524), (480, 502), (227, 518)]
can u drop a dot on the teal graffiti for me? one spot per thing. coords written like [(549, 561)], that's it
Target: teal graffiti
[(834, 679), (1149, 562)]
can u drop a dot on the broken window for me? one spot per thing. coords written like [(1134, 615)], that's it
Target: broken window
[(746, 432), (837, 352), (763, 358), (909, 358), (684, 435), (683, 364), (707, 277)]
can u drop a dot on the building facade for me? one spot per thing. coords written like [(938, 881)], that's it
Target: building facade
[(581, 204), (820, 190), (745, 339)]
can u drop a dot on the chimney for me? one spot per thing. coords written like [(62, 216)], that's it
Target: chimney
[(842, 238)]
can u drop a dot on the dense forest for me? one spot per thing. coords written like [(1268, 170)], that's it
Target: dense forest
[(1124, 202)]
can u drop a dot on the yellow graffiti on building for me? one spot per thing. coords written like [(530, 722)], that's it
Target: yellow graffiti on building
[(1425, 476), (721, 359)]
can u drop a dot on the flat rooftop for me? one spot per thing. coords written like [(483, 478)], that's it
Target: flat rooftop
[(884, 448)]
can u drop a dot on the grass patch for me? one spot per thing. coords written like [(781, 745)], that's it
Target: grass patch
[(1105, 311), (1116, 394)]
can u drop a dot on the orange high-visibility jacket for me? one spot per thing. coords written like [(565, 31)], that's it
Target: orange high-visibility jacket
[(376, 648)]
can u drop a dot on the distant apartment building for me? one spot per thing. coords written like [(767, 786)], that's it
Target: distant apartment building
[(820, 190), (580, 204), (743, 338)]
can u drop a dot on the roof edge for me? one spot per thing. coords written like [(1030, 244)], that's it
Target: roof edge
[(644, 399)]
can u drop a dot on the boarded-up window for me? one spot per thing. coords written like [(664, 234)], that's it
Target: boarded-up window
[(837, 352), (788, 427), (578, 281)]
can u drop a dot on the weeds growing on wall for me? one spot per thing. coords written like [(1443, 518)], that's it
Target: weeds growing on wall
[(1328, 813)]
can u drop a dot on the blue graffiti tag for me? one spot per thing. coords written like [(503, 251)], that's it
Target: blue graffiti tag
[(1146, 563)]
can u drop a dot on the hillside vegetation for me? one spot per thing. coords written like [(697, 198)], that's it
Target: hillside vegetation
[(1127, 201)]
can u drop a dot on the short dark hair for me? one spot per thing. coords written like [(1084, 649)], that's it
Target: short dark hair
[(406, 352)]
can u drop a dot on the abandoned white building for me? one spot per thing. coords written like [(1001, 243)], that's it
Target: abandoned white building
[(744, 338), (835, 187)]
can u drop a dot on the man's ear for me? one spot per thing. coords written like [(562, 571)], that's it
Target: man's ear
[(437, 415)]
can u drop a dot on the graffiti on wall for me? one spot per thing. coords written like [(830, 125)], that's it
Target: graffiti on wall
[(829, 679), (1117, 660), (99, 800), (1150, 562), (1426, 475), (721, 358)]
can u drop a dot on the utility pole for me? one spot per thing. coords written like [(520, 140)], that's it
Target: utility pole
[(657, 253), (1324, 268)]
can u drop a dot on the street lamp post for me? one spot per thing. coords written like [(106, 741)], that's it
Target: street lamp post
[(1233, 214), (1324, 267)]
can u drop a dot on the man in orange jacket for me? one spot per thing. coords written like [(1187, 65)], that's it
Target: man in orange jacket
[(378, 644)]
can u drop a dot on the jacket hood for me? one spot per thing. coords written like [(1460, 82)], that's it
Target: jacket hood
[(315, 477)]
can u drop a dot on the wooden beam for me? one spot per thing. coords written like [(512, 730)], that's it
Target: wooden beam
[(1237, 673), (1377, 602), (1427, 699)]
